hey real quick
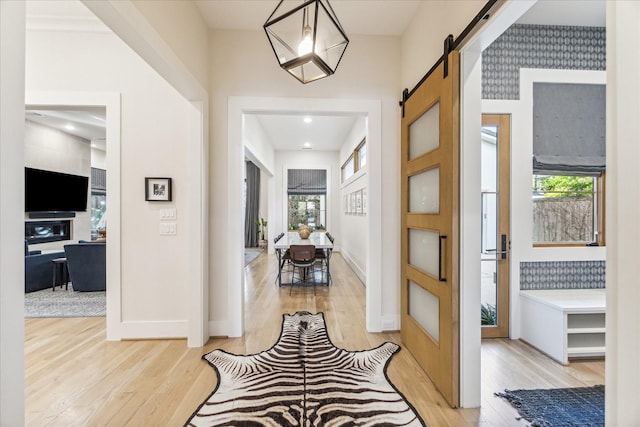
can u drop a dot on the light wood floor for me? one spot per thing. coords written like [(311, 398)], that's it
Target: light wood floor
[(76, 378)]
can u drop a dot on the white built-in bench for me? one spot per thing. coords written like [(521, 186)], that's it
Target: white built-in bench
[(564, 323)]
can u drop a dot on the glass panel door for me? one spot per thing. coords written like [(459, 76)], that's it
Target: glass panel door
[(494, 181)]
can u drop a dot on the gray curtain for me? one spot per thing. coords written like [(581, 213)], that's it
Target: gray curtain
[(252, 206), (569, 128)]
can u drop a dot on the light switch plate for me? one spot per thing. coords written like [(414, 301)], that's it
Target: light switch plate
[(168, 229), (168, 214)]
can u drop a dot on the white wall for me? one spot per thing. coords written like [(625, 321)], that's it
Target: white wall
[(154, 142), (354, 235), (171, 19), (50, 149), (170, 35), (422, 42), (260, 150), (98, 158), (12, 18), (622, 376)]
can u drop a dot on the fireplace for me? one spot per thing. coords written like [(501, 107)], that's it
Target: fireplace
[(47, 231)]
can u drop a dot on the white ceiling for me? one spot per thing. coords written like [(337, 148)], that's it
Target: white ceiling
[(389, 18), (85, 122), (291, 132), (380, 17), (579, 13)]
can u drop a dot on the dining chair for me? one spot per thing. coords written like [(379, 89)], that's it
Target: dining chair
[(285, 257), (324, 255), (303, 259)]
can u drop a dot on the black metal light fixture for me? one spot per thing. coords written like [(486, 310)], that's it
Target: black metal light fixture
[(307, 38)]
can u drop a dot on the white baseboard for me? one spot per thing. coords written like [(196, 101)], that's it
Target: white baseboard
[(218, 328), (391, 323), (153, 330), (355, 267)]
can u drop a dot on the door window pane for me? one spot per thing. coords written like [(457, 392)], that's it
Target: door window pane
[(424, 133), (424, 307), (424, 247), (424, 192)]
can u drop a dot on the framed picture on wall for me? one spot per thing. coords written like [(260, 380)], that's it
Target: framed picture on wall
[(359, 202), (345, 203), (353, 202), (157, 189)]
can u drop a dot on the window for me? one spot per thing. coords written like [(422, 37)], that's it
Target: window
[(356, 161), (306, 191), (568, 209), (348, 169), (98, 211), (98, 202), (569, 162), (361, 155), (307, 210)]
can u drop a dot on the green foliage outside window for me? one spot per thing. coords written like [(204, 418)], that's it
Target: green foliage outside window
[(563, 186)]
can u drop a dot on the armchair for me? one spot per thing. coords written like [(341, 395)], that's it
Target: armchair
[(87, 266)]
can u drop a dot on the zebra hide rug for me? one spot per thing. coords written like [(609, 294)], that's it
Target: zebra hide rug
[(304, 380)]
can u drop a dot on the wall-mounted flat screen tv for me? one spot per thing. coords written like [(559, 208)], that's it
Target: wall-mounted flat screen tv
[(47, 191)]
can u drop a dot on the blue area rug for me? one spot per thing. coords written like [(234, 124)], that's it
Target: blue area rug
[(575, 407)]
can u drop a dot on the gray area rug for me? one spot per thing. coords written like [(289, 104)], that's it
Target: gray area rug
[(61, 303), (250, 254)]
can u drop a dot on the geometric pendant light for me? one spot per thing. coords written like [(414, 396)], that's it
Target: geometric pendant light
[(307, 38)]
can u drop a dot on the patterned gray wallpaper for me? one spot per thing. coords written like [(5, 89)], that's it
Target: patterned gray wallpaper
[(562, 275), (539, 46)]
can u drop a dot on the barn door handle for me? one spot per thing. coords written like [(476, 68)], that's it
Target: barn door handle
[(440, 277)]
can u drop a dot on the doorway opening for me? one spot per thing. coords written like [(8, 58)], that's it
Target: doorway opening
[(239, 107), (109, 103)]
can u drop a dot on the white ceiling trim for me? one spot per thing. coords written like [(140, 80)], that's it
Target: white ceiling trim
[(65, 23)]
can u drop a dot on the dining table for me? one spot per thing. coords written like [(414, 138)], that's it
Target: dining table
[(317, 238)]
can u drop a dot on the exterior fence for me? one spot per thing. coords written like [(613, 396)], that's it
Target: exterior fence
[(563, 219)]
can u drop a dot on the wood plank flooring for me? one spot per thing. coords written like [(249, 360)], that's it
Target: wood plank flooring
[(76, 378)]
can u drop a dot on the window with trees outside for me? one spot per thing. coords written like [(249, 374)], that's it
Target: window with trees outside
[(569, 163), (568, 209), (306, 198), (308, 210)]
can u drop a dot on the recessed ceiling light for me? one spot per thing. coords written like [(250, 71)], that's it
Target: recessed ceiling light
[(69, 127), (307, 120), (307, 144)]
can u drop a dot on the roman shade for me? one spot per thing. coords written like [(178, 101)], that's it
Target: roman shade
[(569, 128), (306, 181), (98, 181)]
